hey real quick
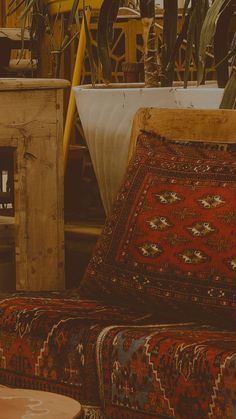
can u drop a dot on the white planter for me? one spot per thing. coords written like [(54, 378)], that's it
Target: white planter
[(107, 115)]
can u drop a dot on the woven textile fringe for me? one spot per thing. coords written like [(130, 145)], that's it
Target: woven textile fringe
[(91, 412)]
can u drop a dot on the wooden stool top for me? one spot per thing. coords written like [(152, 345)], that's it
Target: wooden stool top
[(19, 403), (14, 34), (7, 84)]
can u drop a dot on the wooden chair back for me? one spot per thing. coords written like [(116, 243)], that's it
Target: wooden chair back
[(209, 125)]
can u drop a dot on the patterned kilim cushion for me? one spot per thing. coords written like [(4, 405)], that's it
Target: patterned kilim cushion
[(170, 242), (48, 342), (176, 372)]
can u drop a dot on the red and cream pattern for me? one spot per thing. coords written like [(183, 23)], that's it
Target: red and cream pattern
[(48, 340), (170, 371), (170, 242), (61, 344)]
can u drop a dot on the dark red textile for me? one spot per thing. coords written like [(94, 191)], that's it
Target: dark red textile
[(170, 242), (48, 342), (62, 344), (178, 373)]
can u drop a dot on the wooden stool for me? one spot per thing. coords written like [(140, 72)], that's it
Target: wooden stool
[(11, 38), (19, 404)]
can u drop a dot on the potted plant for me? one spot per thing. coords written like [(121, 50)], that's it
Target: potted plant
[(110, 136), (107, 111)]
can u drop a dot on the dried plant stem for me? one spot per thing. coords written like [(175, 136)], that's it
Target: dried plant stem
[(151, 66)]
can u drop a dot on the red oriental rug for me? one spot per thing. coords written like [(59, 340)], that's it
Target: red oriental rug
[(48, 341), (171, 371)]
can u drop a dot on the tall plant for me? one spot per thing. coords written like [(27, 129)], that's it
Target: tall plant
[(158, 66), (203, 27), (151, 64)]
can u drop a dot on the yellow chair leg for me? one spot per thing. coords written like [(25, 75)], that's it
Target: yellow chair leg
[(75, 81)]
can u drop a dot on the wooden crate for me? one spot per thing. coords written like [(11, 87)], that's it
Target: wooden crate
[(31, 119)]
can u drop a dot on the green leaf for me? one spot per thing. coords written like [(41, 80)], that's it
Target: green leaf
[(169, 40), (147, 8), (227, 57), (181, 36), (185, 8), (229, 97), (208, 32), (73, 12), (13, 6), (89, 50), (201, 10), (221, 46), (112, 19), (67, 32), (189, 46), (27, 9), (105, 22), (11, 3)]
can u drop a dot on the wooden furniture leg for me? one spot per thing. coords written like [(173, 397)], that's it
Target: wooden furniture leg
[(75, 81), (5, 53)]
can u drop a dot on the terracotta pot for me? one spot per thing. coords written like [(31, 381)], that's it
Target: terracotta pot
[(107, 114)]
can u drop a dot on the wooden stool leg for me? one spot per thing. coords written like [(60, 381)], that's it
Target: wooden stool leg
[(5, 53)]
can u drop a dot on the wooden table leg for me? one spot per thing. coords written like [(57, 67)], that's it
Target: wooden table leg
[(5, 53)]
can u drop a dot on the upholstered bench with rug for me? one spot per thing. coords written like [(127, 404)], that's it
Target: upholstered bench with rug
[(48, 342), (150, 333)]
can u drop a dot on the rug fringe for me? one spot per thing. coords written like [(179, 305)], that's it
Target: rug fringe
[(91, 412)]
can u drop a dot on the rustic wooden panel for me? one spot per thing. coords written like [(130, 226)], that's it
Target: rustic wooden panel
[(14, 34), (217, 126), (27, 113), (38, 197), (31, 121)]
